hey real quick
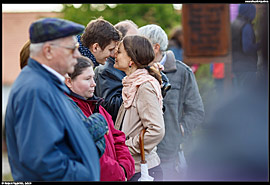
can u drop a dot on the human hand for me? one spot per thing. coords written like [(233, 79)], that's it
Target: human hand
[(158, 66)]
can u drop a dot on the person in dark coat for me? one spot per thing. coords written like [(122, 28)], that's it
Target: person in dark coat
[(46, 138), (244, 46), (184, 108), (116, 163), (108, 79)]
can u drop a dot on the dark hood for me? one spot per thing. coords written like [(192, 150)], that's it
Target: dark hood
[(247, 11)]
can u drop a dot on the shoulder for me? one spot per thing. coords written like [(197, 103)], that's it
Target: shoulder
[(147, 85), (181, 65), (32, 82), (247, 28), (147, 89), (99, 69)]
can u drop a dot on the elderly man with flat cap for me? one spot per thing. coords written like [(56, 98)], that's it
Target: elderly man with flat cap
[(46, 138)]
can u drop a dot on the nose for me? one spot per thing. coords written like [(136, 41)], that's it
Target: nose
[(112, 53), (115, 55), (93, 84)]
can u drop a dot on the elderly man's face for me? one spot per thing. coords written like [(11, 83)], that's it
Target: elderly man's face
[(65, 54)]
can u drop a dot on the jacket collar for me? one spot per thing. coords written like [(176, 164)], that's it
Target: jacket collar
[(111, 60), (170, 64), (93, 98), (36, 66)]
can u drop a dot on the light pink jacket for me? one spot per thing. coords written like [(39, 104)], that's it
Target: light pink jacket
[(145, 112)]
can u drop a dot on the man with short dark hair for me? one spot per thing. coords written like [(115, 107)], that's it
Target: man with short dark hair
[(98, 41), (46, 138), (108, 79)]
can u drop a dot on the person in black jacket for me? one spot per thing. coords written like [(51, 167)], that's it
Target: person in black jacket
[(108, 79)]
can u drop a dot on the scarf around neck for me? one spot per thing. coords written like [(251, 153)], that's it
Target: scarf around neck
[(86, 52), (132, 82)]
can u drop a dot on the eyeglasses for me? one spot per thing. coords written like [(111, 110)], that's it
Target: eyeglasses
[(73, 49)]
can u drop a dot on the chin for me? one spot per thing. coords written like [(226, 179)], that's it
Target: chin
[(115, 66), (102, 62), (91, 95), (71, 70)]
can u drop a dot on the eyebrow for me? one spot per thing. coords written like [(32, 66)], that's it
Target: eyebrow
[(90, 75)]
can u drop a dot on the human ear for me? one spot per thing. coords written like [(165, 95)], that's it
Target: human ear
[(130, 63), (47, 52), (95, 47), (156, 47), (68, 82)]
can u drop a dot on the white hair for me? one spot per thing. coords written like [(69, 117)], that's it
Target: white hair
[(155, 34), (35, 48)]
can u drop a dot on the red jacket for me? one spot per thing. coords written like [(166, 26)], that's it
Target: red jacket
[(116, 152)]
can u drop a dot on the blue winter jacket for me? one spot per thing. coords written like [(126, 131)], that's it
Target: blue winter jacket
[(46, 138)]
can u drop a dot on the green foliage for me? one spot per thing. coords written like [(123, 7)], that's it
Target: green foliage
[(205, 82), (163, 15)]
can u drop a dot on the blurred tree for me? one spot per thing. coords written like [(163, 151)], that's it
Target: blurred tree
[(162, 14)]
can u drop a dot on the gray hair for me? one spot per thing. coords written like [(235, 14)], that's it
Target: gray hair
[(155, 34), (35, 48), (124, 26)]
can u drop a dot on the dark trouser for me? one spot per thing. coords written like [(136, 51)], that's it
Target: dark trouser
[(171, 170), (155, 172)]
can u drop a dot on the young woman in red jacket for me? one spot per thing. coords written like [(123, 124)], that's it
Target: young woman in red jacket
[(116, 163)]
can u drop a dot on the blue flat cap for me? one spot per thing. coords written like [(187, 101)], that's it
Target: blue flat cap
[(47, 29)]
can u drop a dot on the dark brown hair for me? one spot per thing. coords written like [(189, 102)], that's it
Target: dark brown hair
[(24, 54), (100, 31), (175, 36), (82, 63), (140, 50)]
